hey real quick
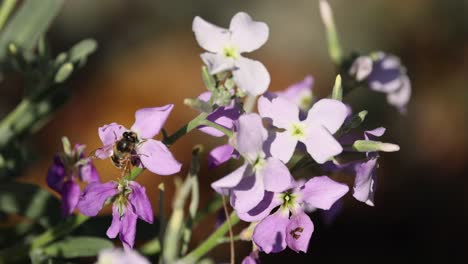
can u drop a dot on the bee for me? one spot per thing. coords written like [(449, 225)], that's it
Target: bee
[(124, 151)]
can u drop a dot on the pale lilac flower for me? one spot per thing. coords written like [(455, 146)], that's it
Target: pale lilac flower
[(384, 73), (225, 47), (153, 154), (299, 93), (119, 256), (221, 154), (130, 203), (289, 225), (224, 116), (260, 172), (316, 131), (252, 258), (65, 171)]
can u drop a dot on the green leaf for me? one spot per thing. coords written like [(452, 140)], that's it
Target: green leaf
[(81, 50), (75, 247), (30, 201), (28, 24), (64, 72)]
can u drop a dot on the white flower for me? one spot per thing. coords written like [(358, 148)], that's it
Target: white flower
[(225, 47)]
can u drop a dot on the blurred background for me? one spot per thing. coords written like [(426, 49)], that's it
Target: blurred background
[(148, 56)]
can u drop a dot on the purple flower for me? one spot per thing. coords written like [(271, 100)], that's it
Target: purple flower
[(224, 116), (289, 225), (67, 168), (153, 154), (316, 131), (225, 47), (384, 73), (221, 154), (299, 93), (119, 256), (252, 258), (260, 172), (129, 203)]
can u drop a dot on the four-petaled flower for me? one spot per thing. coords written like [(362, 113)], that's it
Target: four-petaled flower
[(316, 131), (260, 172), (290, 225), (129, 203), (153, 154), (225, 47), (66, 169)]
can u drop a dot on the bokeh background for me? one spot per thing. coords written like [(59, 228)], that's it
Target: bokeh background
[(148, 56)]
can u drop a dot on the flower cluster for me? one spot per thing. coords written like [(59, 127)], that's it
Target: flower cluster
[(291, 131)]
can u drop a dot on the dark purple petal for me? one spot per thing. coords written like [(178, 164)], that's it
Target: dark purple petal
[(251, 259), (263, 209), (321, 192), (149, 121), (128, 228), (223, 116), (270, 234), (114, 228), (364, 184), (70, 195), (299, 231), (385, 74), (157, 158), (140, 202), (56, 174), (221, 154), (94, 196)]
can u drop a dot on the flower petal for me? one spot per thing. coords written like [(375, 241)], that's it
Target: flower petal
[(128, 228), (56, 174), (283, 146), (70, 195), (88, 173), (322, 192), (248, 193), (157, 158), (119, 256), (149, 121), (250, 136), (364, 183), (216, 62), (282, 112), (94, 195), (223, 116), (104, 152), (374, 133), (299, 93), (231, 180), (401, 97), (210, 37), (270, 234), (140, 202), (321, 145), (114, 228), (110, 133), (329, 113), (298, 232), (269, 202), (275, 175), (251, 76), (247, 35), (219, 155)]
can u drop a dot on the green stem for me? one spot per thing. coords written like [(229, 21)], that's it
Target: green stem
[(5, 11), (185, 129), (211, 242), (58, 231)]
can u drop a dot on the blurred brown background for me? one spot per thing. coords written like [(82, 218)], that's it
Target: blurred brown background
[(148, 56)]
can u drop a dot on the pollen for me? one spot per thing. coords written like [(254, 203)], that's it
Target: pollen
[(298, 130), (230, 52)]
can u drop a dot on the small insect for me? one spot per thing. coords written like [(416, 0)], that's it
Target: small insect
[(296, 233), (124, 151)]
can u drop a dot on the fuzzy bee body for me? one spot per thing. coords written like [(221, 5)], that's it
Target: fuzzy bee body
[(124, 150)]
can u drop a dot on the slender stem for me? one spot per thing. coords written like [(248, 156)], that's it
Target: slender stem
[(185, 129), (5, 11), (231, 235), (211, 241), (58, 231)]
